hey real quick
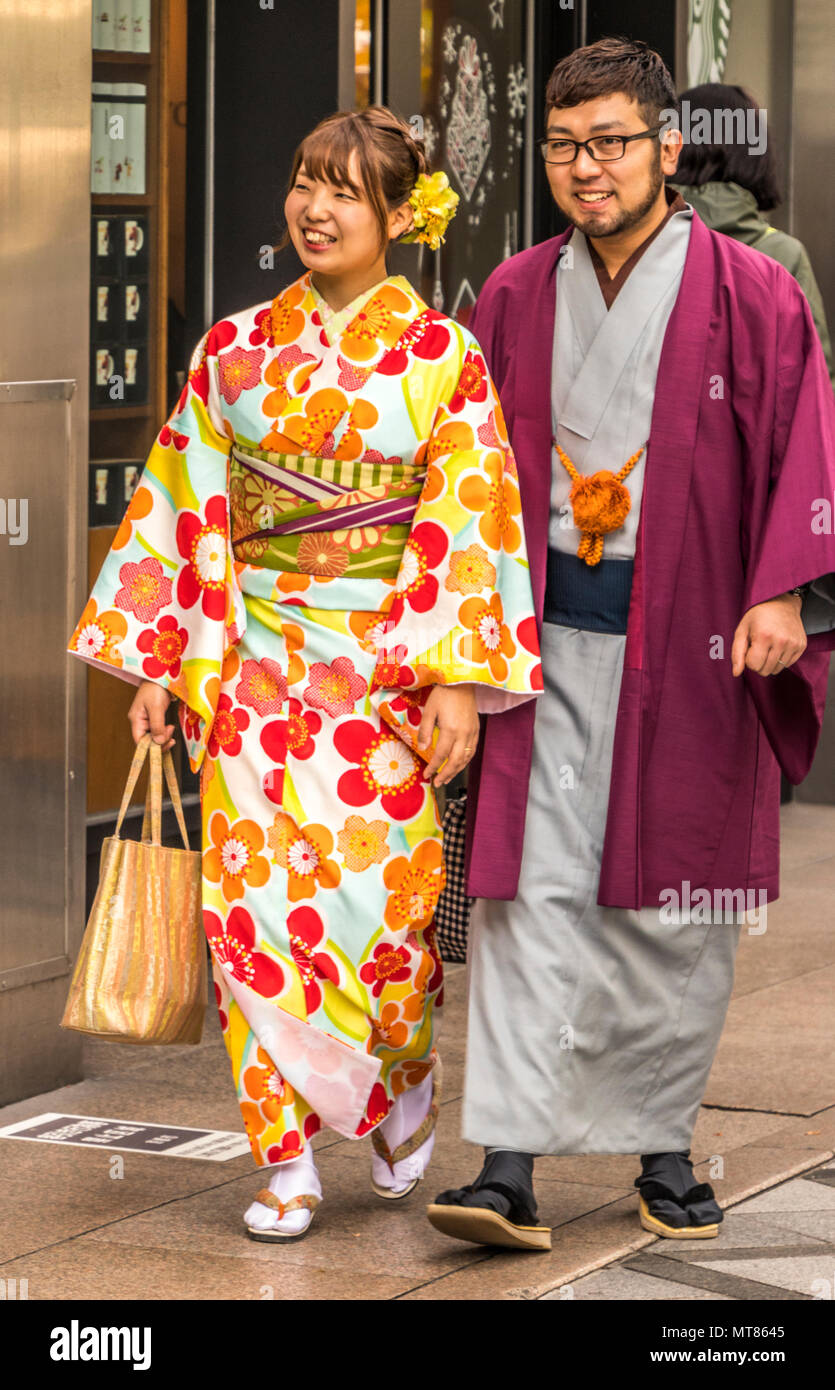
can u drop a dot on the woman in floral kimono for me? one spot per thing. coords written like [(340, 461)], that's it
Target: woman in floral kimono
[(324, 561)]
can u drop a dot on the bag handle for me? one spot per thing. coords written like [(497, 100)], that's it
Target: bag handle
[(173, 792), (139, 755), (153, 798)]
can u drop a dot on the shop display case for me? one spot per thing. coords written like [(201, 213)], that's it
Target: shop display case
[(136, 47)]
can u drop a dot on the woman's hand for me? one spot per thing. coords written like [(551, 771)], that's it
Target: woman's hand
[(453, 708), (147, 714)]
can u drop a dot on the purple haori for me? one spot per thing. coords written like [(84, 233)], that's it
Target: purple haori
[(742, 445)]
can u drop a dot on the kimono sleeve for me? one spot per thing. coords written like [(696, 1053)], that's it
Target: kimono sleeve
[(166, 605), (462, 610), (794, 542)]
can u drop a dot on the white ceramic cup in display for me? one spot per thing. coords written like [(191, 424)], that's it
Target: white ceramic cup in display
[(130, 366), (134, 237), (105, 363), (103, 237), (131, 479), (102, 303), (133, 301), (101, 487)]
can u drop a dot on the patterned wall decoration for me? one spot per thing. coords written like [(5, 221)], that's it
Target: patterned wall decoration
[(475, 97)]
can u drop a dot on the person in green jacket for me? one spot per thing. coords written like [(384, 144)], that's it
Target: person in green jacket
[(730, 188)]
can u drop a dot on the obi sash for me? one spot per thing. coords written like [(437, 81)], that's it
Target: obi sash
[(595, 599), (330, 517)]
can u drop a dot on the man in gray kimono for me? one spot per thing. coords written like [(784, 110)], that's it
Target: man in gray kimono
[(592, 1028)]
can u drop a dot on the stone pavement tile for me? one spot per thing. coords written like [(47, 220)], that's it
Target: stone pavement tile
[(819, 1224), (169, 1102), (824, 1175), (798, 1195), (194, 1087), (803, 1274), (754, 1167), (728, 1280), (621, 1283), (720, 1131), (456, 1163), (811, 1131), (557, 1202), (54, 1191), (798, 936), (598, 1170), (452, 1029), (807, 834), (583, 1245), (352, 1230), (738, 1231), (95, 1270), (776, 1049), (100, 1056)]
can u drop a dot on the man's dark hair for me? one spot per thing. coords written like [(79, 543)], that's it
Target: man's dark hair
[(729, 161), (613, 65)]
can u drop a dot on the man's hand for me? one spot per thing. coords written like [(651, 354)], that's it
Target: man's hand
[(453, 707), (147, 714), (770, 637)]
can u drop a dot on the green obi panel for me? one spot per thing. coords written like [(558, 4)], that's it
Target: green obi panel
[(310, 515)]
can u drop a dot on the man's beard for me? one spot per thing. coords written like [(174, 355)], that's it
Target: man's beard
[(621, 221)]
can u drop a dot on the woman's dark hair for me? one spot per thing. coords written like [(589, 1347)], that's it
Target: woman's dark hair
[(613, 65), (727, 161), (390, 159)]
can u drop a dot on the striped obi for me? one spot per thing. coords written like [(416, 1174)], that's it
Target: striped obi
[(318, 516)]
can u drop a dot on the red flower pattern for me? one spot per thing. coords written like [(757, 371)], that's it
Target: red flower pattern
[(385, 768), (233, 947), (378, 1107), (387, 963), (472, 383), (424, 551), (227, 726), (218, 337), (166, 645), (307, 931), (168, 437), (203, 545)]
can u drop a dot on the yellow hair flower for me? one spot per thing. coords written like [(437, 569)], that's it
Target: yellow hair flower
[(434, 205)]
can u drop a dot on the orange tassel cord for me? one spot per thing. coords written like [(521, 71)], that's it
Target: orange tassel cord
[(600, 503)]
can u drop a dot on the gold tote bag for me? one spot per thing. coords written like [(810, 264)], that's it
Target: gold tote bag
[(140, 976)]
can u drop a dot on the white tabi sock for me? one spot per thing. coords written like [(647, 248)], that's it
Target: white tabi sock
[(407, 1113), (293, 1178)]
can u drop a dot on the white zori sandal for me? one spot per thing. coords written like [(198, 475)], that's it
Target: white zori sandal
[(284, 1210), (404, 1141)]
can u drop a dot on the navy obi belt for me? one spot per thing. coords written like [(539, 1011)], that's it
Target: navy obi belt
[(592, 597)]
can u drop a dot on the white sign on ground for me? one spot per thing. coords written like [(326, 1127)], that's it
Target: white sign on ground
[(91, 1131)]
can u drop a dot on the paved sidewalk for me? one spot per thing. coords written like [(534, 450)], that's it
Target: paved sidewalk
[(77, 1225), (778, 1245)]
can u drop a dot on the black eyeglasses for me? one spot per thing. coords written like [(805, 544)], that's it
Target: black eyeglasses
[(602, 148)]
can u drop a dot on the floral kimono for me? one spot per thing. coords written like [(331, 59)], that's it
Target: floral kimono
[(327, 526)]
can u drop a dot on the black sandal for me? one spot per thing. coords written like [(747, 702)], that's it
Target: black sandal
[(497, 1209), (671, 1208)]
